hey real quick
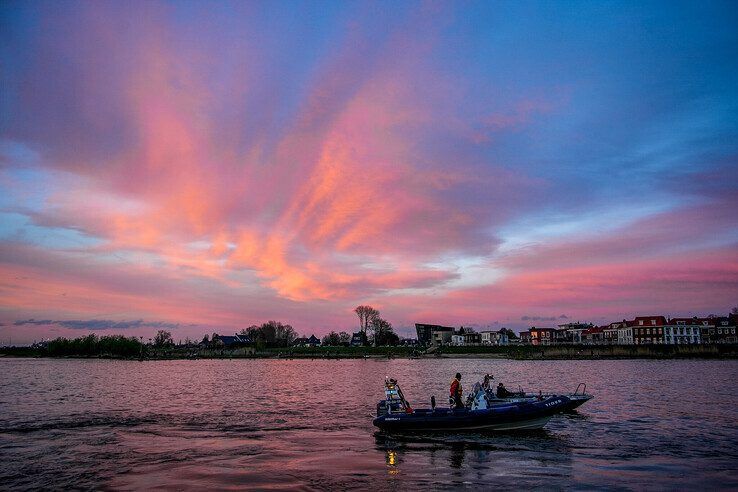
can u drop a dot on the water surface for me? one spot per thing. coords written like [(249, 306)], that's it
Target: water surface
[(264, 424)]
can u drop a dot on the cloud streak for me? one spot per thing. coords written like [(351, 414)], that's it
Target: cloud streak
[(99, 324)]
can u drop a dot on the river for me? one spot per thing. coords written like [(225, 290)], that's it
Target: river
[(274, 424)]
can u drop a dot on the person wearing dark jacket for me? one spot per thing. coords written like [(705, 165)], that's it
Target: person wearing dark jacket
[(456, 391), (502, 391)]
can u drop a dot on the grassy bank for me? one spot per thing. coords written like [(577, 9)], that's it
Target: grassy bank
[(519, 352)]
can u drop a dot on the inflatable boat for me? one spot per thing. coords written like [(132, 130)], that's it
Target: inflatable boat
[(394, 413), (577, 398)]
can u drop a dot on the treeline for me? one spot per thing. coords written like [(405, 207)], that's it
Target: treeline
[(334, 339), (271, 334), (92, 345)]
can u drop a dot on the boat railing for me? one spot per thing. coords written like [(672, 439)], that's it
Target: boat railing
[(394, 396), (584, 389)]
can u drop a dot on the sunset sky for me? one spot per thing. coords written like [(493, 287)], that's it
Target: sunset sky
[(201, 167)]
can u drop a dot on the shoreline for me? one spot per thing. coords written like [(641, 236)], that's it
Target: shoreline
[(516, 352)]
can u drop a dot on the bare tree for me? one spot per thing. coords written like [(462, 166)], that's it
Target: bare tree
[(734, 310), (367, 315)]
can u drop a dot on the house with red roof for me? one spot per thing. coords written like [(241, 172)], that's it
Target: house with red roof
[(594, 335), (648, 330), (542, 336)]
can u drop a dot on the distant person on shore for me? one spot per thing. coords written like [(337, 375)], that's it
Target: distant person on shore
[(502, 391), (456, 391)]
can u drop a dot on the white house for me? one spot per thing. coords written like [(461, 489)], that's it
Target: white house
[(490, 337), (680, 331), (625, 333)]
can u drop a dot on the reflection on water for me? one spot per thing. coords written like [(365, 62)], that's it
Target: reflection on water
[(307, 424), (516, 456)]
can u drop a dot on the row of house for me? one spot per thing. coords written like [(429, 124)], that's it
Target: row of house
[(642, 330), (447, 335)]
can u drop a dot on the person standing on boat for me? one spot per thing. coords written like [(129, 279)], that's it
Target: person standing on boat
[(456, 391)]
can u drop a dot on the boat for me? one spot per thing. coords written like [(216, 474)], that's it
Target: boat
[(577, 398), (394, 413)]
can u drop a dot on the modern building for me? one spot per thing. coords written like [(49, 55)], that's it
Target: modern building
[(433, 334)]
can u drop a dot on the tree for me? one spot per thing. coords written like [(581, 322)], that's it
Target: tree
[(344, 338), (734, 310), (331, 339), (511, 335), (163, 338), (284, 335), (383, 332), (253, 333), (205, 340), (367, 315), (272, 333)]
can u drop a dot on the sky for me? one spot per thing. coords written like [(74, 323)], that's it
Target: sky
[(205, 166)]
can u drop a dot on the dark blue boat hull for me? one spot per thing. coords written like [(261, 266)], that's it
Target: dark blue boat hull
[(515, 416)]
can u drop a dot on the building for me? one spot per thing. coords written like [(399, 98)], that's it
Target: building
[(426, 334), (648, 330), (491, 337), (311, 341), (471, 337), (572, 332), (466, 337), (525, 337), (542, 336), (358, 339), (680, 331), (610, 334), (231, 341), (720, 329), (441, 336), (562, 336), (594, 335), (457, 339), (625, 332)]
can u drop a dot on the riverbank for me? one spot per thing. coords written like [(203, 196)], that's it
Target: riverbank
[(514, 352)]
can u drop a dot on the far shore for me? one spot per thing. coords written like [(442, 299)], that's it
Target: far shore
[(512, 352)]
